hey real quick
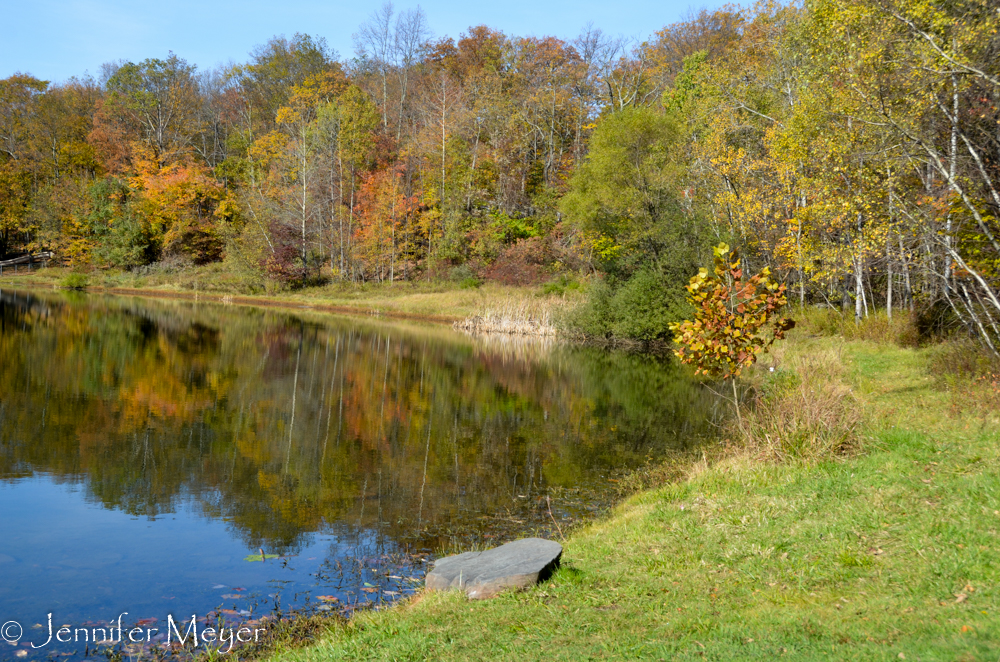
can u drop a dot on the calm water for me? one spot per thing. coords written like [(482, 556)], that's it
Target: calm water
[(150, 449)]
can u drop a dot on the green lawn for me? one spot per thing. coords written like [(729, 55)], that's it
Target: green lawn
[(891, 554)]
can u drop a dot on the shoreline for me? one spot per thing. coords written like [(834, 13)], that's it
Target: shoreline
[(239, 300)]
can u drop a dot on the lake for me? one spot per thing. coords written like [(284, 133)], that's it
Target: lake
[(152, 450)]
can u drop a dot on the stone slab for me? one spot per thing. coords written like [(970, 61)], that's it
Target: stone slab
[(481, 575)]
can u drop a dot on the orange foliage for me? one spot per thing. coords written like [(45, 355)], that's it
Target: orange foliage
[(183, 202), (382, 209)]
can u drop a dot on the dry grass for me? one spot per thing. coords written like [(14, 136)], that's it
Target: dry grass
[(971, 376), (877, 327), (516, 316), (802, 407)]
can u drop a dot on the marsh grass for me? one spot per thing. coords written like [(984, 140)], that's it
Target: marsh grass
[(516, 316)]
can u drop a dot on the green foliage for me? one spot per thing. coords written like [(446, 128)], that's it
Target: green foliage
[(646, 241), (509, 229), (75, 281), (465, 277), (560, 285), (641, 308), (358, 119), (687, 86), (122, 237), (734, 317), (625, 198), (260, 557)]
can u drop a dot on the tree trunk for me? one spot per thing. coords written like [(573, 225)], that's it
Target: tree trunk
[(859, 291)]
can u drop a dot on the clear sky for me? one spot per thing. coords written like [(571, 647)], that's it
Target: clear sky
[(56, 39)]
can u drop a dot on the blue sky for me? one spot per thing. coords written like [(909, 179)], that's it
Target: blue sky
[(56, 39)]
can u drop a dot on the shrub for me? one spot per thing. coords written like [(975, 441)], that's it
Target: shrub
[(561, 285), (971, 375), (75, 281), (936, 320), (642, 308), (645, 307), (464, 276)]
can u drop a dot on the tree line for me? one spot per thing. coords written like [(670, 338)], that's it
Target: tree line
[(849, 145)]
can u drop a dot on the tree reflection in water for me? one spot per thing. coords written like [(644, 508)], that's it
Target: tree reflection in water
[(286, 424)]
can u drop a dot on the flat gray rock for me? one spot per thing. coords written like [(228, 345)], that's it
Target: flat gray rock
[(481, 575)]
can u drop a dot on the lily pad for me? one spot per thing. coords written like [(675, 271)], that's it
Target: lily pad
[(258, 557)]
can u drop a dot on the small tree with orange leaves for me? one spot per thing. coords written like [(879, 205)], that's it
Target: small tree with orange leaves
[(735, 318)]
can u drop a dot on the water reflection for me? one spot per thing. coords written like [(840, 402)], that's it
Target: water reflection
[(289, 427), (280, 424)]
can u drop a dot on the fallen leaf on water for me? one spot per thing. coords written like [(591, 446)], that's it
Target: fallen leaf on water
[(231, 596), (238, 588), (147, 621), (258, 558), (219, 586), (328, 598), (367, 589), (21, 653)]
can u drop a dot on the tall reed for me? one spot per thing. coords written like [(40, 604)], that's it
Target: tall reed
[(514, 316)]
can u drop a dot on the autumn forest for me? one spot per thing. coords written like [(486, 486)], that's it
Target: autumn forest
[(851, 146)]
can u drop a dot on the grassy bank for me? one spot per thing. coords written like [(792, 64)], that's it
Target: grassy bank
[(885, 547), (438, 301)]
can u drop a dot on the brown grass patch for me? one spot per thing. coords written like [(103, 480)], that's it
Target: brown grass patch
[(801, 408), (516, 317)]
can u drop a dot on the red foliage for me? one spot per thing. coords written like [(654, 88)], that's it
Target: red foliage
[(285, 263), (528, 262)]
